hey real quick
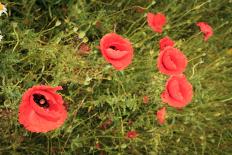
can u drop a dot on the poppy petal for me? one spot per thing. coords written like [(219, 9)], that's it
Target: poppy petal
[(161, 113), (206, 29), (156, 21), (165, 42), (116, 54)]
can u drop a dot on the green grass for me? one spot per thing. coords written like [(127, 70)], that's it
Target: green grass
[(41, 46)]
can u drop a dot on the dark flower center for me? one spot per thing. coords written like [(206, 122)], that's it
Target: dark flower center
[(40, 100), (113, 47)]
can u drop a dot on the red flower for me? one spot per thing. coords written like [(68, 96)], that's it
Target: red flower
[(98, 24), (84, 49), (165, 42), (178, 92), (41, 109), (206, 29), (156, 21), (171, 61), (130, 122), (161, 115), (116, 50), (97, 145), (145, 99), (106, 124), (132, 134)]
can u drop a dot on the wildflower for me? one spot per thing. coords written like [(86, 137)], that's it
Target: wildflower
[(106, 124), (84, 49), (130, 122), (160, 115), (98, 24), (156, 21), (116, 50), (41, 109), (132, 134), (97, 145), (165, 42), (171, 61), (206, 29), (145, 99), (3, 9), (178, 92)]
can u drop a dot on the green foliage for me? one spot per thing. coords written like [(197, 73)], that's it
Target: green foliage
[(41, 45)]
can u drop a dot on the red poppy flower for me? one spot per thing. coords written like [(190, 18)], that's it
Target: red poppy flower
[(206, 29), (41, 109), (171, 61), (178, 92), (161, 115), (165, 42), (116, 50), (156, 21), (132, 134)]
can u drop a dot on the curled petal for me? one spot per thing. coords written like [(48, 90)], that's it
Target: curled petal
[(116, 54)]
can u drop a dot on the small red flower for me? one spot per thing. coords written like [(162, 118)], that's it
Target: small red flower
[(132, 134), (84, 49), (42, 109), (106, 124), (178, 92), (171, 61), (98, 24), (145, 99), (161, 113), (116, 50), (156, 21), (130, 122), (165, 42), (97, 145), (206, 29)]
